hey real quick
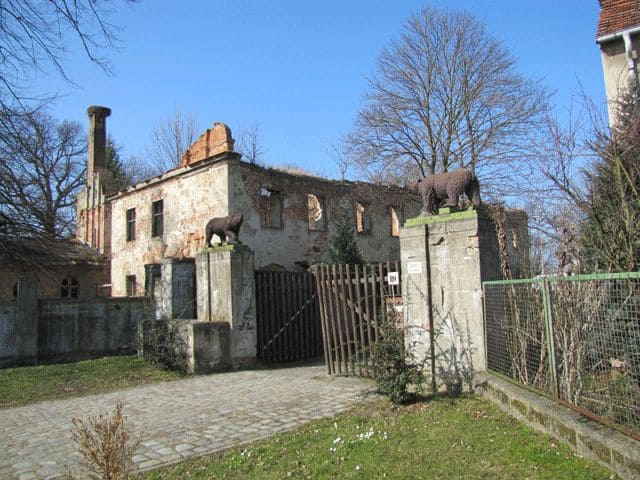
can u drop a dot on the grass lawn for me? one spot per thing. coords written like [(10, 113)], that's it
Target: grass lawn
[(463, 438), (19, 386)]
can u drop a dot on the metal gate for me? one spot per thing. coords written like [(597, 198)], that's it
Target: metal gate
[(288, 316)]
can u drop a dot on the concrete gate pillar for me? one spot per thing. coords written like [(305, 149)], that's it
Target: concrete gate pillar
[(445, 258), (225, 293)]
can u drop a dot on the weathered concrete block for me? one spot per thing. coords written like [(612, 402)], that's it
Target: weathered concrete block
[(626, 461), (564, 432), (199, 347), (211, 346), (588, 438), (445, 258), (596, 448), (225, 293)]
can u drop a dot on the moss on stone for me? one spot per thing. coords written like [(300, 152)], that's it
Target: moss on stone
[(445, 215)]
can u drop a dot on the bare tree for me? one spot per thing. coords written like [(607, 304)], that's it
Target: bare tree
[(137, 170), (34, 35), (446, 94), (170, 139), (250, 144), (554, 186), (582, 189), (337, 152), (42, 168)]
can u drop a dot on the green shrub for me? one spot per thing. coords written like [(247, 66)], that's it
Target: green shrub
[(396, 373)]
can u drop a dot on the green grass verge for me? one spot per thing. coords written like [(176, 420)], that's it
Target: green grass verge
[(23, 385), (443, 438)]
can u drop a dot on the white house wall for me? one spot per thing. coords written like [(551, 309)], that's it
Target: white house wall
[(616, 69)]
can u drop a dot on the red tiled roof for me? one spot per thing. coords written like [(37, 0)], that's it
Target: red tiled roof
[(618, 15)]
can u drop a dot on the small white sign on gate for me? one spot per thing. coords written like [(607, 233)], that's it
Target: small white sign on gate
[(393, 278)]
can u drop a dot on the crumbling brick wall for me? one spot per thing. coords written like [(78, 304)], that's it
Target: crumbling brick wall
[(281, 237), (299, 239), (213, 142)]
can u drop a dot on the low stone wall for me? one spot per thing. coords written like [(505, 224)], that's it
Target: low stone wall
[(197, 347), (587, 437), (70, 329), (90, 327)]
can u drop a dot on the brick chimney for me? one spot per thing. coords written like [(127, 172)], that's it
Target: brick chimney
[(97, 139)]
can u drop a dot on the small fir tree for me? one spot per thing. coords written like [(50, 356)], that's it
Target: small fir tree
[(116, 166), (343, 248)]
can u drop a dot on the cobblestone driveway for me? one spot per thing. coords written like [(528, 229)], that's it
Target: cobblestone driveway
[(178, 419)]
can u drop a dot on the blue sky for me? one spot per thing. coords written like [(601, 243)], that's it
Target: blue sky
[(298, 68)]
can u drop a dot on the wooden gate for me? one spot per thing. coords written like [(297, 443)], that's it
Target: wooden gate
[(288, 317), (353, 300)]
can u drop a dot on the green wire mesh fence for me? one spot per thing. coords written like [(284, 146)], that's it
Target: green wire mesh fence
[(576, 339)]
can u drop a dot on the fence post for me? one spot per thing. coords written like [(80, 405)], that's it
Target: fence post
[(548, 326)]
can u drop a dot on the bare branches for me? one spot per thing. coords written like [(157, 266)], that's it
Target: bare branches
[(107, 446), (250, 144), (337, 153), (170, 139), (41, 170), (584, 189), (445, 95), (33, 37)]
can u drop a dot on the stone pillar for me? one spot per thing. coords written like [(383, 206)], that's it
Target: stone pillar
[(225, 293), (445, 258), (27, 319)]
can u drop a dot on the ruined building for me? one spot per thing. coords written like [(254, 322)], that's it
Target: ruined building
[(287, 217)]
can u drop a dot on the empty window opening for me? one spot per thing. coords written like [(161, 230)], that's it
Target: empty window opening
[(69, 287), (270, 208), (131, 285), (131, 224), (157, 219), (395, 222), (316, 212), (363, 222)]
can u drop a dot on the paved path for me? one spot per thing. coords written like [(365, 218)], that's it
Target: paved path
[(179, 419)]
